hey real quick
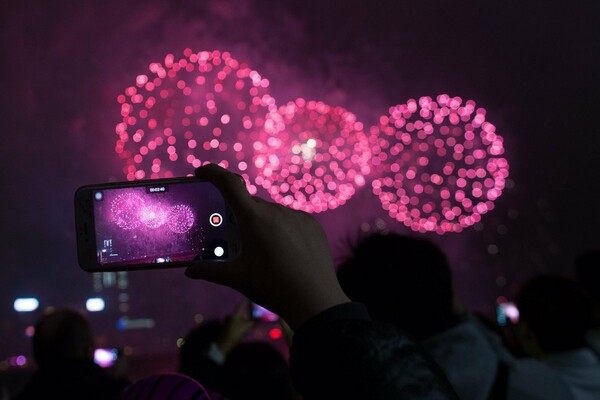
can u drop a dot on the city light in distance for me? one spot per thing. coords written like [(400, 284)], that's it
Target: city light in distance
[(26, 304), (94, 304)]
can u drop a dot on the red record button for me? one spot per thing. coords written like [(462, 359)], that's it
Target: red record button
[(216, 219)]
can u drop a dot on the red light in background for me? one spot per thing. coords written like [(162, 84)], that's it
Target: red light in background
[(275, 333)]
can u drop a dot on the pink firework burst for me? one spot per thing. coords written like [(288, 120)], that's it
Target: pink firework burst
[(314, 157), (153, 216), (180, 218), (438, 163), (125, 209), (191, 110)]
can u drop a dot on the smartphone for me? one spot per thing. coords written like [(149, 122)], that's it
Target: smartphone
[(507, 313), (259, 313), (106, 357), (151, 224)]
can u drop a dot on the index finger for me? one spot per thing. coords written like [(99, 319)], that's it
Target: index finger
[(231, 186)]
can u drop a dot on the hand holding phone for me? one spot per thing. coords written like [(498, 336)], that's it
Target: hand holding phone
[(285, 264)]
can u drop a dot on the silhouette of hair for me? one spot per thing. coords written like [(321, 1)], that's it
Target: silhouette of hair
[(255, 370), (557, 309), (62, 335), (402, 280), (166, 386), (587, 268)]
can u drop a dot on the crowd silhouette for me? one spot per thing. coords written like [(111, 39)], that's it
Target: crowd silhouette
[(216, 354), (407, 281), (63, 348), (386, 323)]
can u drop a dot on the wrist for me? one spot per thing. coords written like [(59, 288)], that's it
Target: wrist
[(314, 307)]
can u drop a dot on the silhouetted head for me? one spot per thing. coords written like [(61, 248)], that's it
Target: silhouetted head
[(587, 268), (555, 313), (401, 280), (255, 370), (62, 335)]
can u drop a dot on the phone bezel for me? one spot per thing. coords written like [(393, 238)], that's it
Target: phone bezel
[(86, 231)]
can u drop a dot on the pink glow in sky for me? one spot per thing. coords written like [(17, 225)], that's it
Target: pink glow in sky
[(436, 165), (315, 157), (191, 110)]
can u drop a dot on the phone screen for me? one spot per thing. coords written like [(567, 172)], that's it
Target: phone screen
[(507, 313), (262, 314), (159, 223), (106, 357)]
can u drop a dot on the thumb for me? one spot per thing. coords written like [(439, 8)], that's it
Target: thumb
[(231, 186)]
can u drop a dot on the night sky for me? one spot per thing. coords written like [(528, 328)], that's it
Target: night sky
[(533, 65)]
